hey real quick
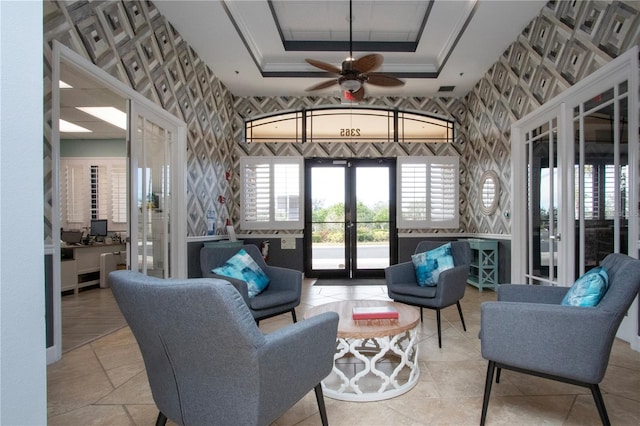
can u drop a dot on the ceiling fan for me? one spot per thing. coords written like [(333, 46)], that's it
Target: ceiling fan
[(354, 73)]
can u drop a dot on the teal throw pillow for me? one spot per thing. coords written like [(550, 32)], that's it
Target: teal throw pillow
[(430, 264), (242, 266), (588, 289)]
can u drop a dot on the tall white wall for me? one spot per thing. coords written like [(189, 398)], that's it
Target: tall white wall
[(23, 399)]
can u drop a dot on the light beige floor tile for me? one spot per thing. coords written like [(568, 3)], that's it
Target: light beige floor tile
[(134, 391), (67, 395), (106, 415), (104, 382)]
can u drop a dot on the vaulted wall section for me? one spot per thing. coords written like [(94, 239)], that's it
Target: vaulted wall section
[(133, 42)]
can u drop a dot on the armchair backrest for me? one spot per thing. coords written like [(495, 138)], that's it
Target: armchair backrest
[(624, 284), (199, 343), (212, 257), (460, 250)]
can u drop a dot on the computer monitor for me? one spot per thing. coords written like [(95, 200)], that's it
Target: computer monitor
[(99, 227)]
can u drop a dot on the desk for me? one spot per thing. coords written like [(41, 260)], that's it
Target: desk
[(80, 265), (375, 359)]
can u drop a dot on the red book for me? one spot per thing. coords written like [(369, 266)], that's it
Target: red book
[(374, 312)]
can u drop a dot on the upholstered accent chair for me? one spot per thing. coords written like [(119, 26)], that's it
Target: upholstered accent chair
[(402, 284), (281, 295), (529, 331), (206, 360)]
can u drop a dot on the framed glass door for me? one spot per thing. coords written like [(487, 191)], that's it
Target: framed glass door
[(156, 169), (350, 223)]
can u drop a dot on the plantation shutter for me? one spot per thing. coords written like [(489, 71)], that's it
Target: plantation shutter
[(271, 193), (428, 192)]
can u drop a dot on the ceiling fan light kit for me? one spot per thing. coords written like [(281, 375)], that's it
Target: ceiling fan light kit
[(355, 73)]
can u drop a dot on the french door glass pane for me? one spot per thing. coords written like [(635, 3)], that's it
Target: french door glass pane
[(328, 218), (372, 217), (152, 198), (542, 188)]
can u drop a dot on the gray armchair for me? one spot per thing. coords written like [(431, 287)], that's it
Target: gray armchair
[(402, 284), (529, 331), (206, 360), (281, 295)]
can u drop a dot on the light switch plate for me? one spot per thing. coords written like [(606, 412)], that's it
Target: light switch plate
[(287, 243)]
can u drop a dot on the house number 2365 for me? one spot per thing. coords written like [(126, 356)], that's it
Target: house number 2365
[(349, 132)]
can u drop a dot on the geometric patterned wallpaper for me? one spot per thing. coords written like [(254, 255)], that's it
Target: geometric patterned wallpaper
[(134, 43), (564, 44)]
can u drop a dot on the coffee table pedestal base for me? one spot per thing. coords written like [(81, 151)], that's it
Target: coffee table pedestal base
[(386, 367)]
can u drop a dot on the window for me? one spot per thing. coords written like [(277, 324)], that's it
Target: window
[(325, 124), (272, 189), (93, 188), (428, 192), (601, 190)]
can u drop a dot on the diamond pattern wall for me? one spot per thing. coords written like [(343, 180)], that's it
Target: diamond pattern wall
[(134, 43)]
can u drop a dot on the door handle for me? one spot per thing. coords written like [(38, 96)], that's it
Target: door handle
[(557, 238)]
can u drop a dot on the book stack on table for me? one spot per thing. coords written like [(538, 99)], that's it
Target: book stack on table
[(374, 312)]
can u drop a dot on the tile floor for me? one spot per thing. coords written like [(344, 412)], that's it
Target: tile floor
[(104, 382)]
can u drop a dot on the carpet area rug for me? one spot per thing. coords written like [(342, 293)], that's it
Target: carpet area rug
[(349, 282)]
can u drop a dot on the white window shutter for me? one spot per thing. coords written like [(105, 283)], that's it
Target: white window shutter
[(74, 192), (119, 192), (428, 192), (271, 193)]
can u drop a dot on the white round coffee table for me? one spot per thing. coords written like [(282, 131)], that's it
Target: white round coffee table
[(375, 359)]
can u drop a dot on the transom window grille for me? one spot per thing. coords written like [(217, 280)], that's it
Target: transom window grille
[(349, 124), (428, 192)]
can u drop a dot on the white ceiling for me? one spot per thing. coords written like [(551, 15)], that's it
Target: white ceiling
[(243, 41), (451, 43)]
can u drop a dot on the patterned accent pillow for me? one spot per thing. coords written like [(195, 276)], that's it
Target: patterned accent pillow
[(430, 264), (588, 289), (242, 266)]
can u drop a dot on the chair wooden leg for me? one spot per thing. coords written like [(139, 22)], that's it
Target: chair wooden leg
[(293, 314), (439, 331), (421, 320), (487, 391), (321, 407), (597, 397), (161, 420), (461, 317), (498, 371)]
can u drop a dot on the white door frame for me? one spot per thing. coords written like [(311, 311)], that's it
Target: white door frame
[(625, 67), (60, 54)]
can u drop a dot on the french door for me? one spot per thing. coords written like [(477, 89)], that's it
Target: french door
[(155, 186), (575, 181), (350, 227)]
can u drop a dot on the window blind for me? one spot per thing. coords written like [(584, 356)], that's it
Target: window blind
[(428, 192), (272, 189)]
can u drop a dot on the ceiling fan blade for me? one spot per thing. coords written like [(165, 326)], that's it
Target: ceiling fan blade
[(383, 80), (322, 85), (358, 95), (324, 66), (368, 63)]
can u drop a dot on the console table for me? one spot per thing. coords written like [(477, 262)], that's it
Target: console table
[(80, 264), (483, 271)]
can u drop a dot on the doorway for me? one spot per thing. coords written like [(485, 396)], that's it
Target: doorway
[(350, 229), (573, 201), (145, 124)]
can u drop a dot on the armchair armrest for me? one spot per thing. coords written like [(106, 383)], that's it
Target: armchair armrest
[(401, 273), (284, 278), (558, 340), (452, 284), (296, 358), (531, 293), (240, 285)]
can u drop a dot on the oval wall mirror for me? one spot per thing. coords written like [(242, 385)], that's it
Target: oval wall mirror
[(489, 192)]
